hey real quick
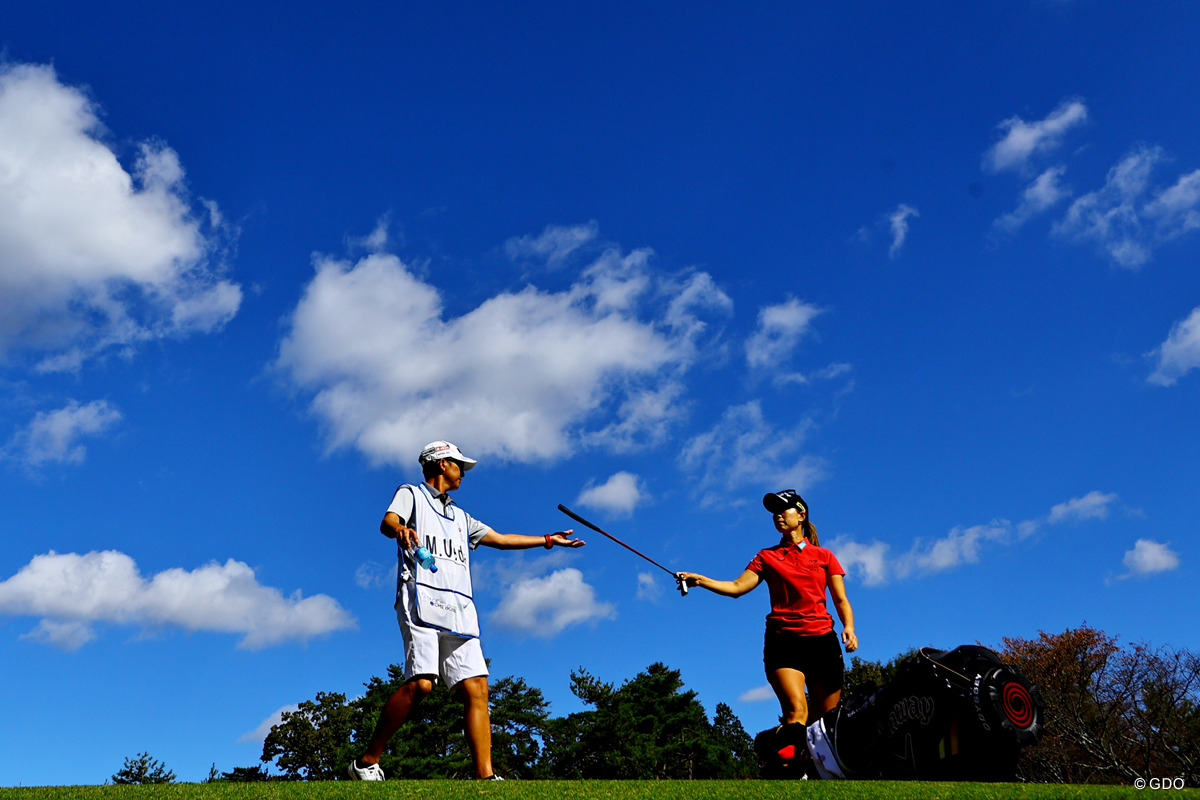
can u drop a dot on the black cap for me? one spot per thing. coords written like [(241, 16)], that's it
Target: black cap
[(778, 502)]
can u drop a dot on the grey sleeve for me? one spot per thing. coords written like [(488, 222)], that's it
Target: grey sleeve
[(402, 504), (476, 530)]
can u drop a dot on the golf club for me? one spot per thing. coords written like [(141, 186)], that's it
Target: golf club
[(683, 589)]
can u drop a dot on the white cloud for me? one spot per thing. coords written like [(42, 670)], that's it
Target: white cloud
[(1127, 218), (648, 587), (898, 220), (1180, 353), (73, 591), (70, 635), (54, 436), (743, 449), (94, 257), (1043, 193), (1093, 505), (1022, 140), (867, 561), (527, 375), (757, 695), (373, 575), (780, 328), (1148, 558), (1110, 216), (960, 546), (875, 564), (1176, 210), (259, 734), (554, 245), (619, 495), (645, 417), (546, 606)]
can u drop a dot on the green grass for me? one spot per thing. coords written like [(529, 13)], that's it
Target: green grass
[(594, 790)]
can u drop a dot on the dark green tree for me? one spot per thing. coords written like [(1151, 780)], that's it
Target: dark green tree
[(317, 741), (735, 748), (648, 728), (431, 743), (254, 774), (313, 743), (519, 716), (142, 769)]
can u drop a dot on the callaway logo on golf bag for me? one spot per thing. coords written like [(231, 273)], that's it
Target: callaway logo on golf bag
[(946, 715)]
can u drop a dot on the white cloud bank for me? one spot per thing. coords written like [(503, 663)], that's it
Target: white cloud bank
[(95, 257), (875, 564), (526, 375), (55, 436), (546, 606), (72, 592), (1126, 219)]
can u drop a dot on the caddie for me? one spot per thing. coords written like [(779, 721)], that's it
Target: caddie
[(436, 610)]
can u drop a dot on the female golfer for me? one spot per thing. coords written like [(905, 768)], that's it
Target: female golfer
[(800, 650)]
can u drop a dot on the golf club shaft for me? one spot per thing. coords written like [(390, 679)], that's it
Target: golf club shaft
[(597, 529)]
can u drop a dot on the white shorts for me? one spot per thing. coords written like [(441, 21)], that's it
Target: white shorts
[(428, 651)]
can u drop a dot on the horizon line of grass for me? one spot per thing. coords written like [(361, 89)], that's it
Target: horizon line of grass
[(595, 790)]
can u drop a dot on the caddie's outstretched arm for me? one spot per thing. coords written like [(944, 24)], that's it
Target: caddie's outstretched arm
[(517, 541)]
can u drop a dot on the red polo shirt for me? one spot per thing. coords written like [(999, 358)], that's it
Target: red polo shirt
[(797, 578)]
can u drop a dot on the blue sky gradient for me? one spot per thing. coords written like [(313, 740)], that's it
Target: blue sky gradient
[(933, 267)]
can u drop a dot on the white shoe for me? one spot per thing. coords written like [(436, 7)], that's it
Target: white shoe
[(370, 772)]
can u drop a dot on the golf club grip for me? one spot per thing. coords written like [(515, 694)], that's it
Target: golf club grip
[(579, 519)]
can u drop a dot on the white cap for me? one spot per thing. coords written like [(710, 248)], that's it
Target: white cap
[(436, 451)]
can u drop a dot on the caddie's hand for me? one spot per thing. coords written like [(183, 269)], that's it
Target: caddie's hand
[(562, 539), (407, 537)]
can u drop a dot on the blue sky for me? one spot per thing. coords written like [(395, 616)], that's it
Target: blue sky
[(935, 268)]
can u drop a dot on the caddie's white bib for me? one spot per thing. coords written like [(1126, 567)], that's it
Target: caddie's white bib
[(442, 599)]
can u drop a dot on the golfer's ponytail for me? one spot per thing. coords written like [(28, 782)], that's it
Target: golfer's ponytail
[(810, 532)]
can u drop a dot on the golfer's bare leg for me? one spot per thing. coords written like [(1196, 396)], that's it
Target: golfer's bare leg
[(395, 712), (789, 688), (821, 701), (477, 723)]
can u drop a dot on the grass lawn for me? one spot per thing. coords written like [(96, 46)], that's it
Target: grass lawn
[(594, 790)]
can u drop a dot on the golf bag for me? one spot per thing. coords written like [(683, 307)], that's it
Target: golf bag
[(946, 715)]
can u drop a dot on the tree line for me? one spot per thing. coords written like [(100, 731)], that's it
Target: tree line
[(649, 727), (1114, 713)]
